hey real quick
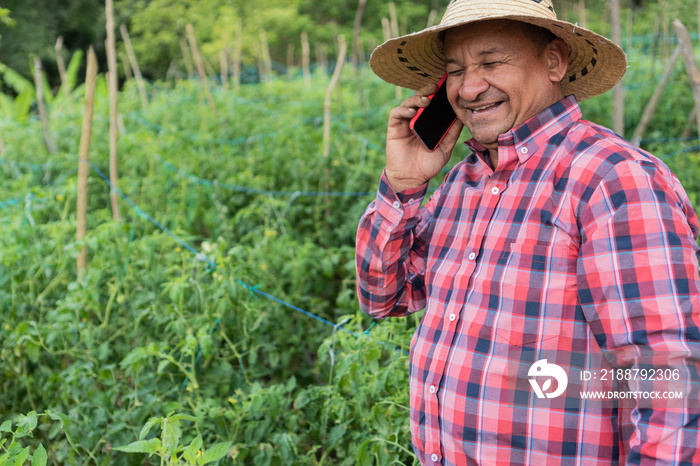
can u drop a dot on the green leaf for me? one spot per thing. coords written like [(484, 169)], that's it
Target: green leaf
[(215, 453), (26, 424), (162, 365), (171, 435), (73, 69), (39, 458), (6, 426), (22, 457), (141, 446), (133, 356), (190, 453), (16, 81), (149, 425)]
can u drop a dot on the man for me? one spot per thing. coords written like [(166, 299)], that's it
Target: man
[(556, 253)]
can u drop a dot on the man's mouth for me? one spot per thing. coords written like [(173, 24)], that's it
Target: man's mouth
[(484, 108)]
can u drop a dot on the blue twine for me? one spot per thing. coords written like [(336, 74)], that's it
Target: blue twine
[(143, 214), (245, 189), (202, 257), (681, 151)]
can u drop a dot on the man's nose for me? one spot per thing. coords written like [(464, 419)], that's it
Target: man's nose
[(473, 84)]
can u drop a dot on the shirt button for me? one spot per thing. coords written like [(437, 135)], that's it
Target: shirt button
[(495, 191), (397, 205), (432, 389), (524, 150), (472, 256), (434, 457), (452, 317)]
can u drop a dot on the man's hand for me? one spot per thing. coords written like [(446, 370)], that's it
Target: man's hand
[(408, 163)]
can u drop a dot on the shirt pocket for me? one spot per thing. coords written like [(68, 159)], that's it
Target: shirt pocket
[(538, 292)]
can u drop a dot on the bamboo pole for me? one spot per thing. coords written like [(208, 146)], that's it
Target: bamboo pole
[(327, 107), (618, 90), (223, 67), (113, 85), (186, 56), (237, 56), (200, 67), (305, 58), (134, 65), (654, 101), (62, 67), (691, 65), (84, 155), (43, 115)]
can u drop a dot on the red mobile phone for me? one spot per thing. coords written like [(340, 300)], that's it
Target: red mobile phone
[(431, 123)]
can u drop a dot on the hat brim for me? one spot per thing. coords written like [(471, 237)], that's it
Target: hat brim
[(415, 60)]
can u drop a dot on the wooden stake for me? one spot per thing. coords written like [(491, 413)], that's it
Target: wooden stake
[(305, 58), (290, 59), (84, 155), (2, 145), (327, 106), (113, 85), (357, 53), (134, 65), (654, 101), (582, 19), (200, 67), (386, 29), (186, 56), (237, 56), (618, 90), (394, 20), (127, 67), (223, 67), (43, 115), (691, 65), (388, 34), (432, 18), (688, 130), (62, 67), (357, 57), (265, 50)]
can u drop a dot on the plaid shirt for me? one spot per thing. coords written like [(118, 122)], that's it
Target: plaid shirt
[(580, 248)]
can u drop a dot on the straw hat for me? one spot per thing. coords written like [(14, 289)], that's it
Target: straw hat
[(415, 60)]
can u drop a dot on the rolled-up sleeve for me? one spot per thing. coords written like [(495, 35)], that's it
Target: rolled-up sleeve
[(390, 251)]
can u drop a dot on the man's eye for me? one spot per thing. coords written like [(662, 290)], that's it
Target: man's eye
[(454, 72), (491, 64)]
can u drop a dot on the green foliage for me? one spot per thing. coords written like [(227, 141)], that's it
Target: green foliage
[(24, 427)]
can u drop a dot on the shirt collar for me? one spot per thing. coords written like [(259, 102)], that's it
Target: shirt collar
[(526, 139)]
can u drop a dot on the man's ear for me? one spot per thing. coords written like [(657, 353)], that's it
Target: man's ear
[(557, 53)]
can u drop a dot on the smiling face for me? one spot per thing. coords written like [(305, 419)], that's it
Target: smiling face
[(498, 78)]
